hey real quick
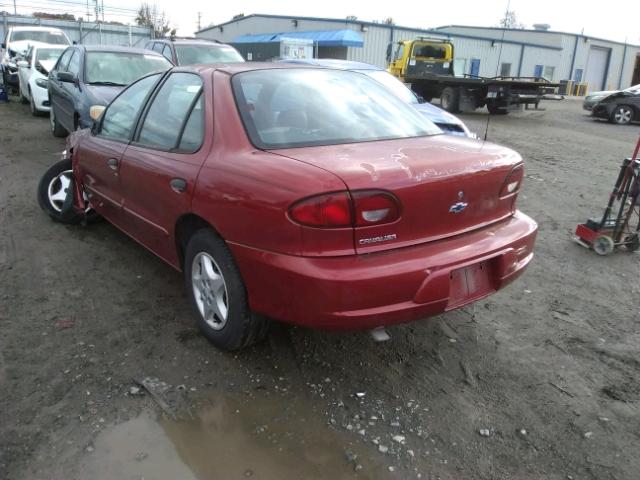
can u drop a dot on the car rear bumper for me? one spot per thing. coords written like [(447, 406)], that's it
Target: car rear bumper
[(395, 286)]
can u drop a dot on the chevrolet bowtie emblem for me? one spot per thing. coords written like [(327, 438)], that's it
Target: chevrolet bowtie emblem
[(458, 207)]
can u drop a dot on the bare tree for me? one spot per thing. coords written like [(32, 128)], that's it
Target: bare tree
[(510, 21), (150, 16)]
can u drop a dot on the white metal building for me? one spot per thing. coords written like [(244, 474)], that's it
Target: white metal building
[(480, 51)]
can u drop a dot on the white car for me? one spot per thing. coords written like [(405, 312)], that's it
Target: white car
[(32, 75), (17, 42)]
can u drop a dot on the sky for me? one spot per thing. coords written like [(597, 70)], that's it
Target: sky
[(615, 19)]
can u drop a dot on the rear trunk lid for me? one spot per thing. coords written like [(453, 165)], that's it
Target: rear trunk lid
[(446, 185)]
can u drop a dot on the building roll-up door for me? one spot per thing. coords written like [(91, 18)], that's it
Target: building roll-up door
[(596, 68)]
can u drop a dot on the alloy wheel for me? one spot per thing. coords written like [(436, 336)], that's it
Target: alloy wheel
[(210, 290), (57, 190), (623, 115)]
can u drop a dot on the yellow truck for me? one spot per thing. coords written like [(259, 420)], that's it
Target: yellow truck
[(426, 64)]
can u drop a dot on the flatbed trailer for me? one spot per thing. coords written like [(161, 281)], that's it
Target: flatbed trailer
[(427, 66), (499, 94)]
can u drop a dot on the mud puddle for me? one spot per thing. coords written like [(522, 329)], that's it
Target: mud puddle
[(232, 437)]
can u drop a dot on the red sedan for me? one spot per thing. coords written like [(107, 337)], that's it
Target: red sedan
[(308, 195)]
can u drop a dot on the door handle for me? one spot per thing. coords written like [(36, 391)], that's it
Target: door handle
[(113, 163), (178, 185)]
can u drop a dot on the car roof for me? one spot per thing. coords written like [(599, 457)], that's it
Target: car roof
[(332, 63), (39, 45), (239, 67), (116, 49), (194, 41), (35, 28)]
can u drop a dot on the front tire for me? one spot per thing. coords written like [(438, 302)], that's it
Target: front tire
[(32, 106), (622, 115), (52, 192), (218, 295), (56, 129)]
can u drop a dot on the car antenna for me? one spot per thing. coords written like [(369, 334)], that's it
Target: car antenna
[(504, 29)]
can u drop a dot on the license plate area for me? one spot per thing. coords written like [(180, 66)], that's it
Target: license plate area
[(470, 283)]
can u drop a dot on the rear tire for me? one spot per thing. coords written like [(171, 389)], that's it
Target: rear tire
[(218, 295), (622, 115), (56, 129), (494, 109), (450, 100), (23, 99)]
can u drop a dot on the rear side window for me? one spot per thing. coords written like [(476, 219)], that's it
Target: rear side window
[(64, 60), (193, 134), (169, 114), (119, 119)]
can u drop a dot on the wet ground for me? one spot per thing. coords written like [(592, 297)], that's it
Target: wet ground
[(540, 381)]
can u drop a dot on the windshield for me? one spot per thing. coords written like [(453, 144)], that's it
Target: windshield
[(43, 54), (53, 38), (192, 54), (306, 107), (122, 68), (393, 84)]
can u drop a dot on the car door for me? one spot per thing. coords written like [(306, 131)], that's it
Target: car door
[(159, 168), (101, 152), (69, 94), (55, 85)]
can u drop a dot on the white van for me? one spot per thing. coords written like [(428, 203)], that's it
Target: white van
[(17, 42)]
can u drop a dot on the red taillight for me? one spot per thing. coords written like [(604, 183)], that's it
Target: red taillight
[(340, 209), (373, 207), (513, 182), (330, 210)]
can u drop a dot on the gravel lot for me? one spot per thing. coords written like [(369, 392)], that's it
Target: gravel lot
[(540, 381)]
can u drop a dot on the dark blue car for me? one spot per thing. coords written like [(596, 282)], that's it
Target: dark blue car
[(94, 75)]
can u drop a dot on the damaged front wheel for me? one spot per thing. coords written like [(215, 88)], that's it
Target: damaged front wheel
[(55, 194)]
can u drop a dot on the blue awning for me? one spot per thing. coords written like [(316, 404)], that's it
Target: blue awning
[(323, 38)]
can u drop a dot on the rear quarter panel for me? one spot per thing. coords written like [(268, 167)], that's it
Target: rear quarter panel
[(245, 192)]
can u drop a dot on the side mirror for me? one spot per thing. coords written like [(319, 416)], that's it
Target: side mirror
[(22, 63), (3, 45), (67, 77), (96, 111)]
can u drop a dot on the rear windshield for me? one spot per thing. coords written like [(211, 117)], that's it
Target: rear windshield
[(193, 54), (307, 107), (122, 68), (393, 84), (53, 38)]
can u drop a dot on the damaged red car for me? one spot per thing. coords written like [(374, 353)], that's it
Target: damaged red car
[(302, 194)]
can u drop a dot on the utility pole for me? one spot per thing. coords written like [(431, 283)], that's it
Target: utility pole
[(15, 10), (199, 17)]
